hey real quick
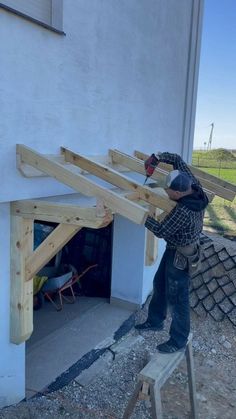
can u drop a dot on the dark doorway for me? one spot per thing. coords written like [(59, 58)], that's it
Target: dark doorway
[(88, 247), (91, 246)]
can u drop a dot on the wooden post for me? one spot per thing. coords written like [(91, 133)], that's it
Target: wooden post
[(191, 380), (156, 401), (21, 316), (130, 407)]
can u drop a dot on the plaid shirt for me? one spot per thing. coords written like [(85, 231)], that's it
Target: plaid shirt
[(182, 226)]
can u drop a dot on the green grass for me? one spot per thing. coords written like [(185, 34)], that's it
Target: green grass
[(213, 163), (218, 159), (227, 174), (221, 218), (218, 154), (220, 215)]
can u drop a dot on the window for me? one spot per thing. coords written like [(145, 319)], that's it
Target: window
[(47, 13)]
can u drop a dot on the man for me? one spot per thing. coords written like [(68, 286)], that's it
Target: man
[(181, 229)]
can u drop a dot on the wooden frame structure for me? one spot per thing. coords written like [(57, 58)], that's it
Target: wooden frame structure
[(121, 195)]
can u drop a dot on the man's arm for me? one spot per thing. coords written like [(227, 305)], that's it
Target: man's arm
[(178, 164), (169, 226)]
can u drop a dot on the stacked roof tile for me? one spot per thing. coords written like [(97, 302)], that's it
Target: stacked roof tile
[(213, 290)]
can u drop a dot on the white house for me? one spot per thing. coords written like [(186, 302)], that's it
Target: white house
[(91, 76)]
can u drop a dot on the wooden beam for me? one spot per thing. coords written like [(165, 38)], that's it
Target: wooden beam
[(29, 171), (48, 249), (115, 178), (151, 242), (164, 166), (100, 170), (78, 182), (57, 213), (211, 183), (212, 179), (21, 312), (136, 165)]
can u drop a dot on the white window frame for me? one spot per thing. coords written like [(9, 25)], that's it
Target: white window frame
[(56, 23)]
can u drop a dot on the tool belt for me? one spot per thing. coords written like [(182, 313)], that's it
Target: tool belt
[(188, 258)]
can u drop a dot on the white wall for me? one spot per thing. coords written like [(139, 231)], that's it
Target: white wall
[(149, 271), (127, 260), (117, 79), (12, 357)]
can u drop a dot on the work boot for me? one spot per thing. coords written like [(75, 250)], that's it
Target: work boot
[(148, 326), (169, 347)]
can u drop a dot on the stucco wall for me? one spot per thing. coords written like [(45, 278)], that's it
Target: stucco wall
[(117, 79)]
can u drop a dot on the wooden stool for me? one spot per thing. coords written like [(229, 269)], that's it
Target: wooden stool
[(154, 375)]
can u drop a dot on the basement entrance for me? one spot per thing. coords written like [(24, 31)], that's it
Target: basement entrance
[(88, 253), (68, 334)]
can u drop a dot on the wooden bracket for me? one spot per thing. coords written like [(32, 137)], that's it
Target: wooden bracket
[(25, 263)]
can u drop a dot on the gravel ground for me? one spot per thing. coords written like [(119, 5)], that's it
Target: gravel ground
[(108, 393)]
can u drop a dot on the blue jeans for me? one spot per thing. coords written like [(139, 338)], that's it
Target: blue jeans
[(171, 287)]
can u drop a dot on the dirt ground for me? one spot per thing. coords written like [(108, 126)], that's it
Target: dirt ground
[(108, 393)]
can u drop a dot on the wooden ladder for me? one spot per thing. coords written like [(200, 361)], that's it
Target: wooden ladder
[(154, 375)]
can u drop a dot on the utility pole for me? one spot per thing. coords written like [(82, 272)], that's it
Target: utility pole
[(210, 138)]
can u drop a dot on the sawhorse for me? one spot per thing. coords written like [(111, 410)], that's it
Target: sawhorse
[(154, 375)]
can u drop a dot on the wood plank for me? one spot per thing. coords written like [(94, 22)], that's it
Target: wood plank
[(212, 183), (156, 402), (21, 308), (136, 165), (48, 249), (30, 172), (151, 241), (98, 169), (164, 166), (191, 381), (58, 213), (144, 394), (217, 189), (212, 179), (160, 367), (78, 182), (115, 178)]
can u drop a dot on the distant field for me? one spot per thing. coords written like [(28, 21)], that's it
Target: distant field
[(213, 163), (227, 174), (220, 215)]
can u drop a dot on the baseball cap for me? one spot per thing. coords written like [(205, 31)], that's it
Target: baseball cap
[(178, 181)]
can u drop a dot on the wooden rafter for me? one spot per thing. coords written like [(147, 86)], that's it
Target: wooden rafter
[(117, 179), (81, 184), (132, 201), (136, 165), (210, 183)]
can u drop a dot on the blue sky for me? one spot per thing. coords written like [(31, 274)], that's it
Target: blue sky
[(217, 77)]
